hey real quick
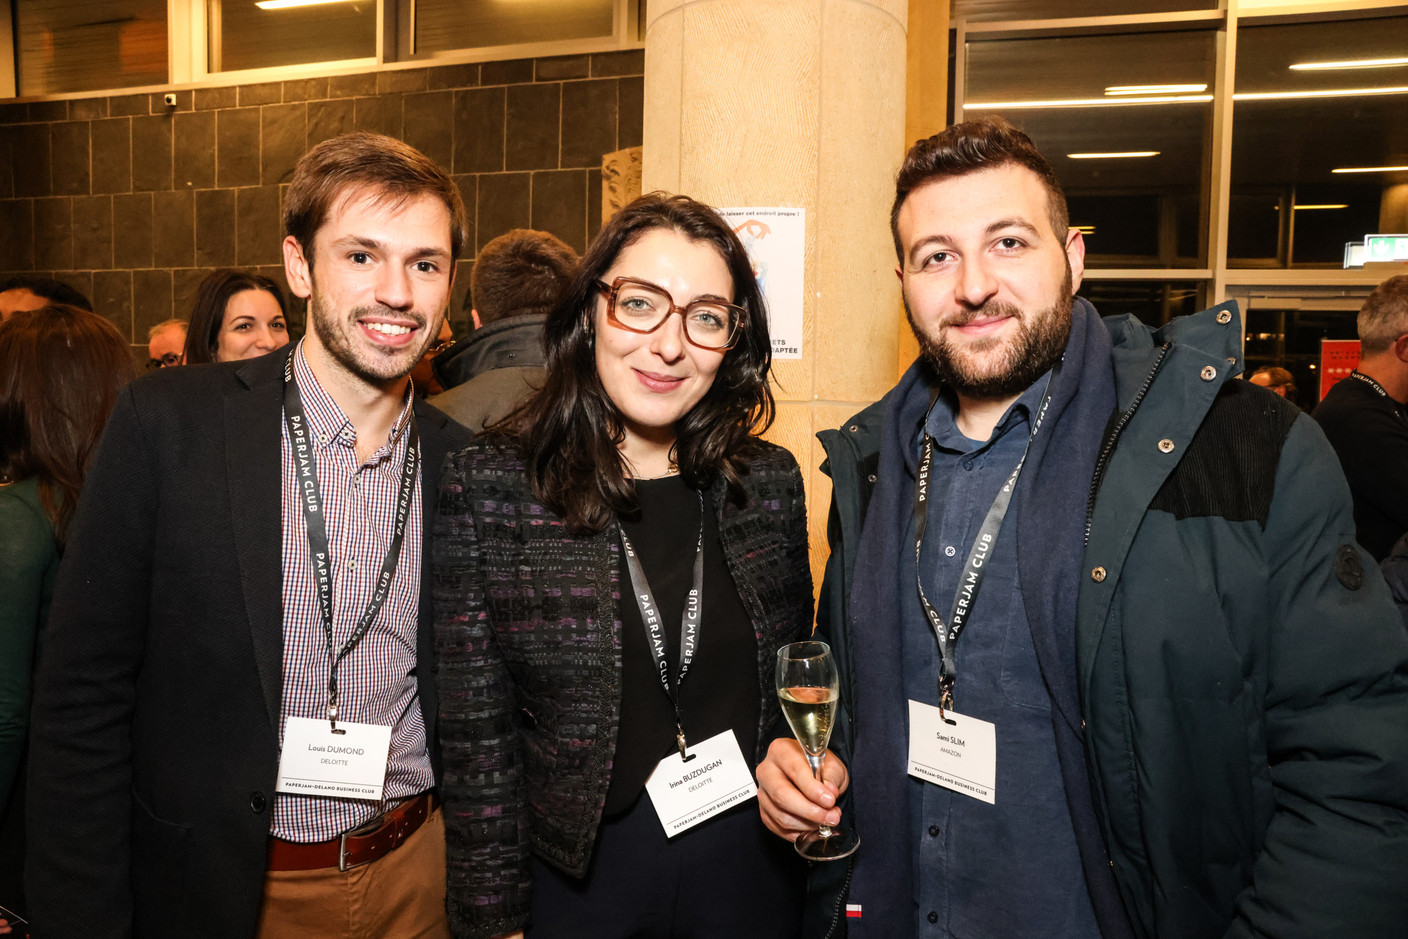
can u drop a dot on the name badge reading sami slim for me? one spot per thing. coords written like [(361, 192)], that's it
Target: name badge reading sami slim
[(317, 762), (959, 753), (686, 792)]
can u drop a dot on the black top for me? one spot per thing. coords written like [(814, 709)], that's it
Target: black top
[(1369, 432), (720, 692)]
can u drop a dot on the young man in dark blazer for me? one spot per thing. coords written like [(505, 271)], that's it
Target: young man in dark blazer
[(244, 586)]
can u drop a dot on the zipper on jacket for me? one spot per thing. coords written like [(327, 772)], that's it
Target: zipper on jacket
[(841, 899), (1107, 448)]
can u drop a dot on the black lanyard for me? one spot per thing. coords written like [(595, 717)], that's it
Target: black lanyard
[(975, 567), (1397, 407), (311, 498), (655, 625), (1360, 376)]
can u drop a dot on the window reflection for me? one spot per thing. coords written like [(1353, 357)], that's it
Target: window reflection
[(1294, 126), (1154, 302), (244, 35), (979, 11), (88, 45), (442, 25), (1124, 121), (1286, 331)]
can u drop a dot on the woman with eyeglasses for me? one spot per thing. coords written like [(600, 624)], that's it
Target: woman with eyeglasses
[(238, 315), (61, 369), (615, 565)]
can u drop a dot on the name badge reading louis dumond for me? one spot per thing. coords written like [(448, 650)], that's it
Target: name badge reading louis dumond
[(958, 754), (714, 778), (317, 762)]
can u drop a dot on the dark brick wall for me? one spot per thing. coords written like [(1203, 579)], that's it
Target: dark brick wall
[(134, 202)]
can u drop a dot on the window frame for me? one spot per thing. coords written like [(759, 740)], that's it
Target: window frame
[(190, 66), (1223, 275)]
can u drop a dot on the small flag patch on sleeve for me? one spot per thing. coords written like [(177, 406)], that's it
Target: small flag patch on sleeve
[(853, 911)]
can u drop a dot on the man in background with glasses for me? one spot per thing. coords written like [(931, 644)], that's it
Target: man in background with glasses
[(1114, 665), (166, 342)]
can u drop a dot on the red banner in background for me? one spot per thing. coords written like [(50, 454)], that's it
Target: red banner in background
[(1338, 357)]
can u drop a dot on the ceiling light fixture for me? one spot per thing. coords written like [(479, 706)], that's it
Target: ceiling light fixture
[(1371, 169), (1154, 89), (1327, 205), (289, 4), (1318, 93), (1175, 99), (1112, 156), (1349, 63), (1087, 102)]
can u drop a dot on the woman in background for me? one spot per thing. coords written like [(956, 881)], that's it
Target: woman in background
[(238, 315), (556, 705), (60, 371)]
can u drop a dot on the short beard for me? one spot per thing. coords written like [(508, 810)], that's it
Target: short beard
[(383, 368), (1036, 349)]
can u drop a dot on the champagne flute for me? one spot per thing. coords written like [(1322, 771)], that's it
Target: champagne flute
[(809, 689)]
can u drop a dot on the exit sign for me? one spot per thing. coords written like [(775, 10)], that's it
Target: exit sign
[(1386, 248)]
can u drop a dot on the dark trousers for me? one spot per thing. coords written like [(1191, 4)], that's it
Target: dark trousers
[(728, 878), (12, 850)]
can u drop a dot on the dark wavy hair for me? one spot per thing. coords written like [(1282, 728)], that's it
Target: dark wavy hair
[(203, 333), (570, 432), (61, 369), (961, 149)]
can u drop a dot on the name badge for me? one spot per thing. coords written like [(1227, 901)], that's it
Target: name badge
[(317, 762), (687, 791), (959, 753)]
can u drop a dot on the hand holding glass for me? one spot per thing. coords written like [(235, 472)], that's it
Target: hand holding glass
[(809, 689)]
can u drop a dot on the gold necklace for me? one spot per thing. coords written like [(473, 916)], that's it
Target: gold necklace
[(672, 471)]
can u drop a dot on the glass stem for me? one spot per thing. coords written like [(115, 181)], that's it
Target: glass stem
[(815, 763)]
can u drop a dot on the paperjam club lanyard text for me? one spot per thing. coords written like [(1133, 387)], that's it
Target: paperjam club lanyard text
[(311, 498), (655, 627), (975, 567)]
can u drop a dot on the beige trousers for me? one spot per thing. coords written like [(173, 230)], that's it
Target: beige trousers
[(401, 895)]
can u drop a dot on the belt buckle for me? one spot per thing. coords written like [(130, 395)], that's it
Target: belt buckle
[(342, 865), (342, 853)]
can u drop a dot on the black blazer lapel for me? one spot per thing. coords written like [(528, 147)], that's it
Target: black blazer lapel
[(439, 435), (254, 471)]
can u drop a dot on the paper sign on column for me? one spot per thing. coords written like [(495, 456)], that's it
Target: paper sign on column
[(776, 240)]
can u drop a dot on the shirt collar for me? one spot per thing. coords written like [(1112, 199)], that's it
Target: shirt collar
[(328, 423), (942, 422)]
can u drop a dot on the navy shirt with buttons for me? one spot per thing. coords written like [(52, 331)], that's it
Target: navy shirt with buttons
[(1009, 869)]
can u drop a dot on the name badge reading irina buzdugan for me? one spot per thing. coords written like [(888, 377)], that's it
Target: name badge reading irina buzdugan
[(714, 777), (959, 753), (317, 762)]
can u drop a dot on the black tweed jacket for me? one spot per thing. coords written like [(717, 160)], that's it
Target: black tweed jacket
[(528, 634)]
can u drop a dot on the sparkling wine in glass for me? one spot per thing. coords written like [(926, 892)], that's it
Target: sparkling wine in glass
[(809, 689)]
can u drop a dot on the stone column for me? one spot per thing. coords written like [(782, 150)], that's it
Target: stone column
[(1393, 209), (795, 103)]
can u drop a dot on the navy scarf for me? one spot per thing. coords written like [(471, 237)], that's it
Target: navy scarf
[(1050, 527)]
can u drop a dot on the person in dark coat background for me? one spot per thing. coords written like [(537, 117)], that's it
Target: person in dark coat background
[(1365, 418), (518, 277)]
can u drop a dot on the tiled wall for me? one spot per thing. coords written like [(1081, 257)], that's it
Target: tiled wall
[(134, 202)]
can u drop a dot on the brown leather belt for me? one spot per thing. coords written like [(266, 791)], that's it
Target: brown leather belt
[(356, 847)]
